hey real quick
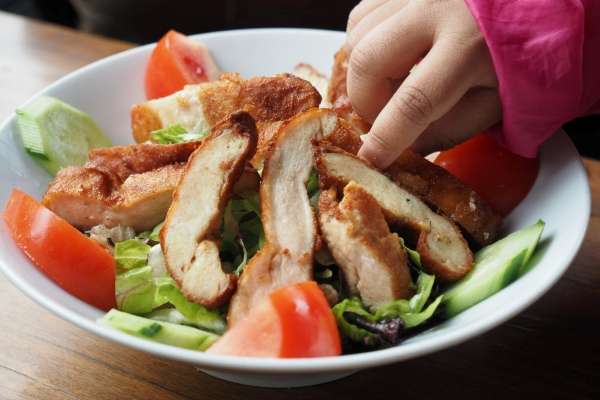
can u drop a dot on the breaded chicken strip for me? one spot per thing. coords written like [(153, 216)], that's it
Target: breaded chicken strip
[(448, 195), (189, 237), (288, 219), (269, 100), (444, 252), (371, 258), (317, 79), (122, 185)]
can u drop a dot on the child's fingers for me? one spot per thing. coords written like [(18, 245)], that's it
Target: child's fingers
[(361, 10), (478, 110), (385, 54), (426, 95), (372, 20)]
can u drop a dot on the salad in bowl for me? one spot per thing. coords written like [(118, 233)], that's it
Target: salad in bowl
[(242, 222)]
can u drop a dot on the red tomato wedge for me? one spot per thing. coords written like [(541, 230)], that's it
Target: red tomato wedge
[(68, 257), (499, 176), (294, 321), (175, 62)]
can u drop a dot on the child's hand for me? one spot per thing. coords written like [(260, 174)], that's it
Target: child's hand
[(452, 93)]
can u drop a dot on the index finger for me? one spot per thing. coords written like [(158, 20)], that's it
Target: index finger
[(429, 92)]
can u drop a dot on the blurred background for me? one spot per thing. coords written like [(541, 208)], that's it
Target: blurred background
[(144, 21)]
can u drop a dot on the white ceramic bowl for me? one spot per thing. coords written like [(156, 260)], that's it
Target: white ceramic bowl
[(106, 89)]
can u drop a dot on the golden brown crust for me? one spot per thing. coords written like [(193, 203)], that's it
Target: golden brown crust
[(123, 161), (266, 99), (122, 185), (448, 195), (143, 121), (345, 137), (337, 83), (277, 98), (192, 222), (221, 98), (443, 248)]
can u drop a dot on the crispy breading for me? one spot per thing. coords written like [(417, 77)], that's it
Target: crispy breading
[(188, 237), (337, 91), (122, 185), (268, 100), (123, 161), (447, 194), (371, 258), (444, 251), (316, 78)]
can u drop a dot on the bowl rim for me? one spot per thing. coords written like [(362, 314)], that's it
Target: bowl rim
[(298, 365)]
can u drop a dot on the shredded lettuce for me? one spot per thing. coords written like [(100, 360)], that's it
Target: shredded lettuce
[(156, 260), (195, 314), (132, 253), (361, 325), (312, 187), (135, 290), (175, 134), (146, 286), (242, 233)]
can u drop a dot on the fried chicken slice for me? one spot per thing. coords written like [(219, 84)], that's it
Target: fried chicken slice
[(121, 185), (317, 79), (188, 237), (269, 100), (371, 258), (288, 220), (447, 194), (444, 252)]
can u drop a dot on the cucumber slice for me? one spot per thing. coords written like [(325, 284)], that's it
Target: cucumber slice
[(495, 267), (158, 331), (58, 135)]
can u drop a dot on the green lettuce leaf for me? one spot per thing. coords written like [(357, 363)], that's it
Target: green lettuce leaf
[(175, 134), (132, 253), (352, 316), (135, 291), (242, 233), (312, 188), (195, 314), (348, 330)]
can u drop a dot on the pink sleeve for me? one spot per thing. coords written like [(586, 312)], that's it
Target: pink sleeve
[(547, 58)]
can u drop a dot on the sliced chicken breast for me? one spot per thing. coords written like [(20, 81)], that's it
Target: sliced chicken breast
[(122, 185), (288, 219), (373, 262), (444, 251), (188, 237), (447, 194)]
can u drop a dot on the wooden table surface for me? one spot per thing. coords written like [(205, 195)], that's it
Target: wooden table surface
[(551, 349)]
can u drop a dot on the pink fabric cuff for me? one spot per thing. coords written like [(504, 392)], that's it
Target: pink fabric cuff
[(547, 58)]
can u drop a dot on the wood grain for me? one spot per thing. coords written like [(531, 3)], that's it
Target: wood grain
[(552, 349)]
